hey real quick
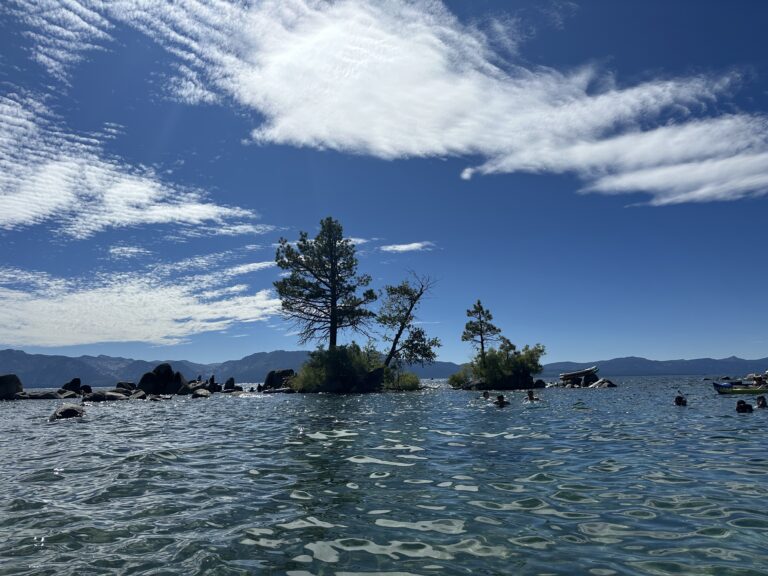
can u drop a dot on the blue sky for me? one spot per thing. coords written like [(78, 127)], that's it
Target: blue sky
[(594, 172)]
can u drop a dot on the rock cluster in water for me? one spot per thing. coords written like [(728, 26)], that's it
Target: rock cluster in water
[(161, 383)]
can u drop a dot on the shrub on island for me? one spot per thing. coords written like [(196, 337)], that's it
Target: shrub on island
[(343, 369), (397, 381)]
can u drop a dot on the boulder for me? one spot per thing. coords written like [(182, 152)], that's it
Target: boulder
[(85, 389), (589, 379), (67, 411), (178, 382), (603, 383), (277, 379), (138, 395), (201, 393), (111, 395), (10, 385), (73, 385), (229, 384), (149, 383), (97, 396), (67, 394), (127, 386)]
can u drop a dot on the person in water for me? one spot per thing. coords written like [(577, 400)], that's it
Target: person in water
[(743, 408), (680, 400), (485, 395), (500, 402), (761, 403), (531, 397)]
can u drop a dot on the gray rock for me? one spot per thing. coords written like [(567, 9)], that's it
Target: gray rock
[(10, 385), (229, 384), (67, 394), (43, 396), (138, 395), (201, 393), (67, 411), (97, 396), (277, 378)]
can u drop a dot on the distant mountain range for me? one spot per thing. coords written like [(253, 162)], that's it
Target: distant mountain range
[(48, 371)]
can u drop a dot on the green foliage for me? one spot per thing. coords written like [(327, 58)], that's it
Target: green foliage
[(507, 367), (397, 381), (341, 369), (462, 378), (320, 294), (479, 330), (409, 344)]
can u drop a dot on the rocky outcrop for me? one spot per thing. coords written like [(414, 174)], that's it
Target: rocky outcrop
[(67, 411), (229, 384), (162, 380), (73, 385), (603, 383), (201, 393), (278, 379), (129, 387), (10, 385)]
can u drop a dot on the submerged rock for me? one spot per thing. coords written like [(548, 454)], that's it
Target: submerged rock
[(67, 411)]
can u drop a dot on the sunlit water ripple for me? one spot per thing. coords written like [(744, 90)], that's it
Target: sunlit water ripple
[(436, 482)]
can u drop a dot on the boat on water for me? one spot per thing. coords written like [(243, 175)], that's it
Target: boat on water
[(739, 387), (579, 378)]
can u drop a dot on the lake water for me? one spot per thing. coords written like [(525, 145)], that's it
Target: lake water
[(616, 481)]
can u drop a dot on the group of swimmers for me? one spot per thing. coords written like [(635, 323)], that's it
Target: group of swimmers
[(501, 401), (742, 406)]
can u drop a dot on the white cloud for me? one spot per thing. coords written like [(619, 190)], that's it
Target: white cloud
[(406, 79), (127, 252), (412, 247), (49, 175), (158, 306)]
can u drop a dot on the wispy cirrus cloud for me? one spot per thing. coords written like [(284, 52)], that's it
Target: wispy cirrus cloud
[(127, 252), (412, 247), (157, 306), (48, 174), (408, 79)]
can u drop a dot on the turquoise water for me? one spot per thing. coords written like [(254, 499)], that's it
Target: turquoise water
[(436, 482)]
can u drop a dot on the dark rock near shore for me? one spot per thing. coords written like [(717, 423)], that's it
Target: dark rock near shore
[(10, 385), (38, 396), (97, 396), (229, 384), (67, 411), (73, 385), (162, 380), (127, 386), (148, 383), (278, 379), (85, 389), (67, 394), (138, 395), (201, 393)]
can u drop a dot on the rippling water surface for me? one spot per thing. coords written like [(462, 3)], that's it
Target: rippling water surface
[(436, 482)]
